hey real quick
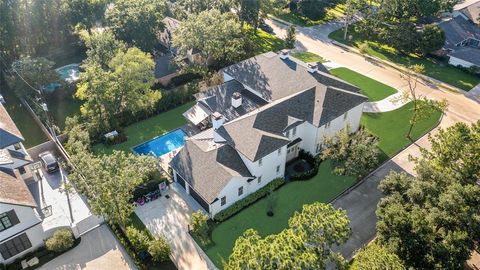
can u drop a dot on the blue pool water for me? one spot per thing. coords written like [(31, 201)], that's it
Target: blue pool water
[(162, 145), (69, 73)]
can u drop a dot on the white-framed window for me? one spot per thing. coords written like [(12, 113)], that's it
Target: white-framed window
[(223, 201), (260, 162), (294, 131), (345, 115), (319, 147), (240, 191), (278, 168), (279, 151), (288, 134), (259, 179), (327, 125)]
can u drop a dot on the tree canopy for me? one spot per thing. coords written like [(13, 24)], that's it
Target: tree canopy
[(305, 244), (376, 257), (137, 22), (431, 221)]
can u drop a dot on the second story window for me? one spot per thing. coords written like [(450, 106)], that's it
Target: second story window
[(8, 219), (278, 168), (259, 179), (240, 191), (279, 151), (260, 162), (327, 125), (345, 115), (288, 134), (294, 131)]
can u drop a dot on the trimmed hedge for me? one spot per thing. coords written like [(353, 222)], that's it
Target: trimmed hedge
[(314, 162), (250, 199)]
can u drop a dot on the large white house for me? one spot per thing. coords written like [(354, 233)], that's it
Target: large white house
[(268, 108), (21, 228)]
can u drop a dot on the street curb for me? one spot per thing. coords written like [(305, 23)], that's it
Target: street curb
[(427, 79), (272, 17)]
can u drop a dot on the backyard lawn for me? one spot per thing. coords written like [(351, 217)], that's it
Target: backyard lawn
[(297, 19), (289, 198), (308, 57), (371, 88), (148, 129), (391, 128), (434, 68)]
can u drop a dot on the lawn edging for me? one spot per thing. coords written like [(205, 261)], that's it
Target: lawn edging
[(400, 68)]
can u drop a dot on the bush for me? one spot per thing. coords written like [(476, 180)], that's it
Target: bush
[(159, 249), (139, 239), (61, 240), (314, 162), (250, 199), (363, 47)]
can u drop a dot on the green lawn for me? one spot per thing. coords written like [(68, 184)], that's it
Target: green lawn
[(391, 128), (308, 57), (434, 68), (371, 88), (265, 42), (289, 198), (148, 129), (297, 19)]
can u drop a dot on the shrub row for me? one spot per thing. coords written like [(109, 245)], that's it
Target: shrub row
[(314, 163), (250, 199)]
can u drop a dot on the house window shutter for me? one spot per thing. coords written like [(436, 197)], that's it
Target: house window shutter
[(12, 216)]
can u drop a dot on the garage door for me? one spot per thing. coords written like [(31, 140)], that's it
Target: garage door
[(180, 180), (199, 199)]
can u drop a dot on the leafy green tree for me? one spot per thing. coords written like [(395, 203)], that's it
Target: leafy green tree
[(306, 244), (199, 224), (124, 88), (376, 257), (139, 239), (83, 13), (28, 76), (102, 46), (216, 35), (159, 249), (314, 9), (432, 39), (290, 38), (423, 108), (137, 22), (431, 221), (354, 154), (249, 12), (108, 181), (181, 9)]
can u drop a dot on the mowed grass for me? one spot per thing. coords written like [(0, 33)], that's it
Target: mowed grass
[(434, 68), (297, 19), (391, 128), (308, 57), (290, 198), (371, 88), (148, 129), (264, 41)]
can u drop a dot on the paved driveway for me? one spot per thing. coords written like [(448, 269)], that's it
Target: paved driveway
[(170, 217), (98, 250)]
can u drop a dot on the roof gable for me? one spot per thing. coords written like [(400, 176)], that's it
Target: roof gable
[(9, 133)]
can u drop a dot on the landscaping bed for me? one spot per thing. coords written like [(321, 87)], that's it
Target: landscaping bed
[(434, 68), (371, 88)]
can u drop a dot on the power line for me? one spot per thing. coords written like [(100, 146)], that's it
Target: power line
[(23, 79)]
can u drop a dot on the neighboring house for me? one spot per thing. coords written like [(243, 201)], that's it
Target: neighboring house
[(462, 41), (269, 108), (20, 224), (469, 9)]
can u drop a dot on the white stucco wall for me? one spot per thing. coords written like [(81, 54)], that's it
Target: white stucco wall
[(459, 62), (231, 193), (30, 223), (269, 165)]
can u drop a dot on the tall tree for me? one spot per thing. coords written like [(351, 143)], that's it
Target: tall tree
[(125, 87), (376, 257), (423, 107), (83, 13), (290, 38), (306, 244), (102, 46), (137, 22), (108, 181), (249, 12), (431, 221), (216, 35)]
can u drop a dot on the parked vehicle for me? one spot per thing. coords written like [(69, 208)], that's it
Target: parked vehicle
[(265, 27), (49, 162)]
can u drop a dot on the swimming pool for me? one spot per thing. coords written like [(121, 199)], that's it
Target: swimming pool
[(69, 73), (162, 144)]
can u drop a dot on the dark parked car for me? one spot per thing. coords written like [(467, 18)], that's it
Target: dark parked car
[(265, 27), (49, 162)]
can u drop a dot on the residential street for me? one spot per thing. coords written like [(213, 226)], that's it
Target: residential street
[(361, 202)]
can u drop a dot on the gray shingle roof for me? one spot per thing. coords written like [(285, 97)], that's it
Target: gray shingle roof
[(468, 54), (261, 133), (219, 99), (207, 168), (275, 78), (9, 133), (458, 29)]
